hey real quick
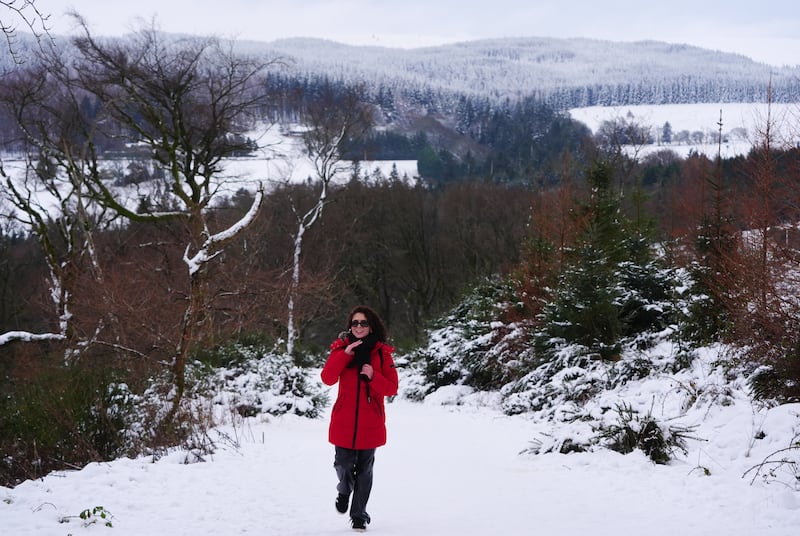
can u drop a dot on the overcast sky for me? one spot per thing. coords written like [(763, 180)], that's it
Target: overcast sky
[(764, 30)]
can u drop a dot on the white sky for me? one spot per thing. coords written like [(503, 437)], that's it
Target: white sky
[(765, 31)]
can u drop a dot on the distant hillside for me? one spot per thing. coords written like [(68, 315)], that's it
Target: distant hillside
[(565, 73), (483, 99)]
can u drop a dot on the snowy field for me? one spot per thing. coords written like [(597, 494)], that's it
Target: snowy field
[(741, 124), (281, 159), (453, 466)]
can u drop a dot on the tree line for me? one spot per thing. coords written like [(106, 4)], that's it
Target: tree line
[(562, 73)]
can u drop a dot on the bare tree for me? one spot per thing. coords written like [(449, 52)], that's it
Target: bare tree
[(189, 102), (46, 195), (621, 140), (186, 101), (332, 121), (26, 12), (761, 212), (767, 264)]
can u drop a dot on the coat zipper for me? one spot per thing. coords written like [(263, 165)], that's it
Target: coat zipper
[(358, 399)]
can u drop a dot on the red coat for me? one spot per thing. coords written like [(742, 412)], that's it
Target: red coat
[(358, 420)]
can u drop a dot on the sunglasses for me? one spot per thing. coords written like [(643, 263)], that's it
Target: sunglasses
[(362, 323)]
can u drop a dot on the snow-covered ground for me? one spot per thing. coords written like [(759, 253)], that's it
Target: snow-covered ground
[(453, 465), (742, 124), (281, 159)]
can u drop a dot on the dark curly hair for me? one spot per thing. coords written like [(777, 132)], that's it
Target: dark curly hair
[(375, 322)]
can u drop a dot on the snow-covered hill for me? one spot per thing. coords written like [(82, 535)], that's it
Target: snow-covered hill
[(691, 88), (564, 72), (577, 71)]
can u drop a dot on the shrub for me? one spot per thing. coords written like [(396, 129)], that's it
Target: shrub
[(782, 466), (257, 380), (645, 433), (779, 380), (473, 344), (64, 418)]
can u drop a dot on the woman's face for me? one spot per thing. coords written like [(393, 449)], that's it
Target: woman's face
[(359, 325)]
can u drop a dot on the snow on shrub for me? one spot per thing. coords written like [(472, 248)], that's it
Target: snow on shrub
[(258, 380)]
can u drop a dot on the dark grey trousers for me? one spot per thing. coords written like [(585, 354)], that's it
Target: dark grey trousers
[(354, 469)]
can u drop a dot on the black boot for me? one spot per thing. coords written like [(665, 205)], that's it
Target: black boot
[(341, 503), (359, 525)]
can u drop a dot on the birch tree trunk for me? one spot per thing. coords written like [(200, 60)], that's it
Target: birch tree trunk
[(333, 120)]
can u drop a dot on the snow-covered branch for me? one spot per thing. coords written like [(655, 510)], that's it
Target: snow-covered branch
[(211, 246), (27, 336)]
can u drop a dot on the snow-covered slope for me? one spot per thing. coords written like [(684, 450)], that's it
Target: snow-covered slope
[(566, 72), (583, 71)]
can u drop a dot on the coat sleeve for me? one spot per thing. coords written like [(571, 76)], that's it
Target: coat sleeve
[(336, 363), (385, 380)]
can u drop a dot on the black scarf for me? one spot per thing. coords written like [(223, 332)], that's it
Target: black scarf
[(362, 351)]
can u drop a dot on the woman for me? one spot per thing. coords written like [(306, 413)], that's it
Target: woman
[(361, 361)]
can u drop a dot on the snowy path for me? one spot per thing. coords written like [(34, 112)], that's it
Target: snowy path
[(446, 471)]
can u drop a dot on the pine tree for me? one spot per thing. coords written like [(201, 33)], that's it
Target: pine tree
[(612, 281), (583, 310), (666, 133)]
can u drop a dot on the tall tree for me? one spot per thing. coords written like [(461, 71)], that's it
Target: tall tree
[(716, 246), (333, 120), (587, 293), (47, 194), (189, 102), (611, 288), (621, 140), (762, 209)]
